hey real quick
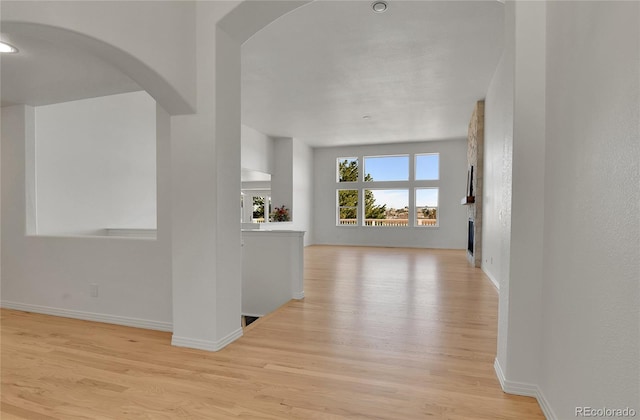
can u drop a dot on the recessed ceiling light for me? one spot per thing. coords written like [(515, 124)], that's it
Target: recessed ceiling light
[(7, 48), (379, 6)]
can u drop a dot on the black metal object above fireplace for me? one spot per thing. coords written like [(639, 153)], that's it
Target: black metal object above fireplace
[(470, 237)]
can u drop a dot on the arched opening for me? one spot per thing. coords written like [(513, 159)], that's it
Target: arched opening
[(133, 72), (90, 157)]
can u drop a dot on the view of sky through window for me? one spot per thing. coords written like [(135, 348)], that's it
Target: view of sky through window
[(387, 168), (394, 199), (427, 197), (427, 166)]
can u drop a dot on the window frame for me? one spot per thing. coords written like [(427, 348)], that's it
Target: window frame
[(411, 185), (437, 207), (339, 207), (408, 219)]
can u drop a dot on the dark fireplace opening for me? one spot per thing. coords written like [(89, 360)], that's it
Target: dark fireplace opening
[(470, 238)]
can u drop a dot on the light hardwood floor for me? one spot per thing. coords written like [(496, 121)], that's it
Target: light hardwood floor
[(383, 333)]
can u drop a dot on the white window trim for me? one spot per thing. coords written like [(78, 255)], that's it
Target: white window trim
[(338, 207), (412, 185)]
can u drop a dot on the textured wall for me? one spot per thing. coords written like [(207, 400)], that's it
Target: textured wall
[(496, 185), (590, 295), (475, 158), (527, 198), (499, 178)]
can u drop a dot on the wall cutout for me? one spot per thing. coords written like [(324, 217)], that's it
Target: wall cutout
[(91, 169)]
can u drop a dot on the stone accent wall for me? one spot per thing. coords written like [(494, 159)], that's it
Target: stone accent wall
[(475, 158)]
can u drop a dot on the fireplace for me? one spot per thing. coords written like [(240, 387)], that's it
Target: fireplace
[(470, 237)]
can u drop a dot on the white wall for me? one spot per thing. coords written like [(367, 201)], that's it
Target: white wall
[(519, 324), (292, 184), (569, 321), (96, 164), (256, 150), (282, 175), (228, 304), (591, 277), (53, 274), (452, 230), (498, 143), (498, 159), (272, 270), (303, 209)]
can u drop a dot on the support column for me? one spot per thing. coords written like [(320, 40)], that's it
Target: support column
[(205, 163), (521, 328)]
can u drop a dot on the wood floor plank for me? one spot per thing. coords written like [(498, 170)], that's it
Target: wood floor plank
[(383, 333)]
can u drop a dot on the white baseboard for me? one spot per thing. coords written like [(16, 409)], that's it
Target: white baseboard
[(545, 406), (499, 372), (196, 343), (526, 390), (128, 322), (90, 316), (493, 279), (298, 295), (512, 387)]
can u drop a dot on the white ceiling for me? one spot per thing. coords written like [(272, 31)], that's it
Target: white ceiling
[(415, 70), (46, 71)]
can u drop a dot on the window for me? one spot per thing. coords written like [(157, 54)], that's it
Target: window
[(347, 207), (261, 205), (393, 190), (386, 207), (386, 168), (426, 206), (428, 166), (347, 169)]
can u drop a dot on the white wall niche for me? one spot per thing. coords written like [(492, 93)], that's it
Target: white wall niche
[(91, 168)]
